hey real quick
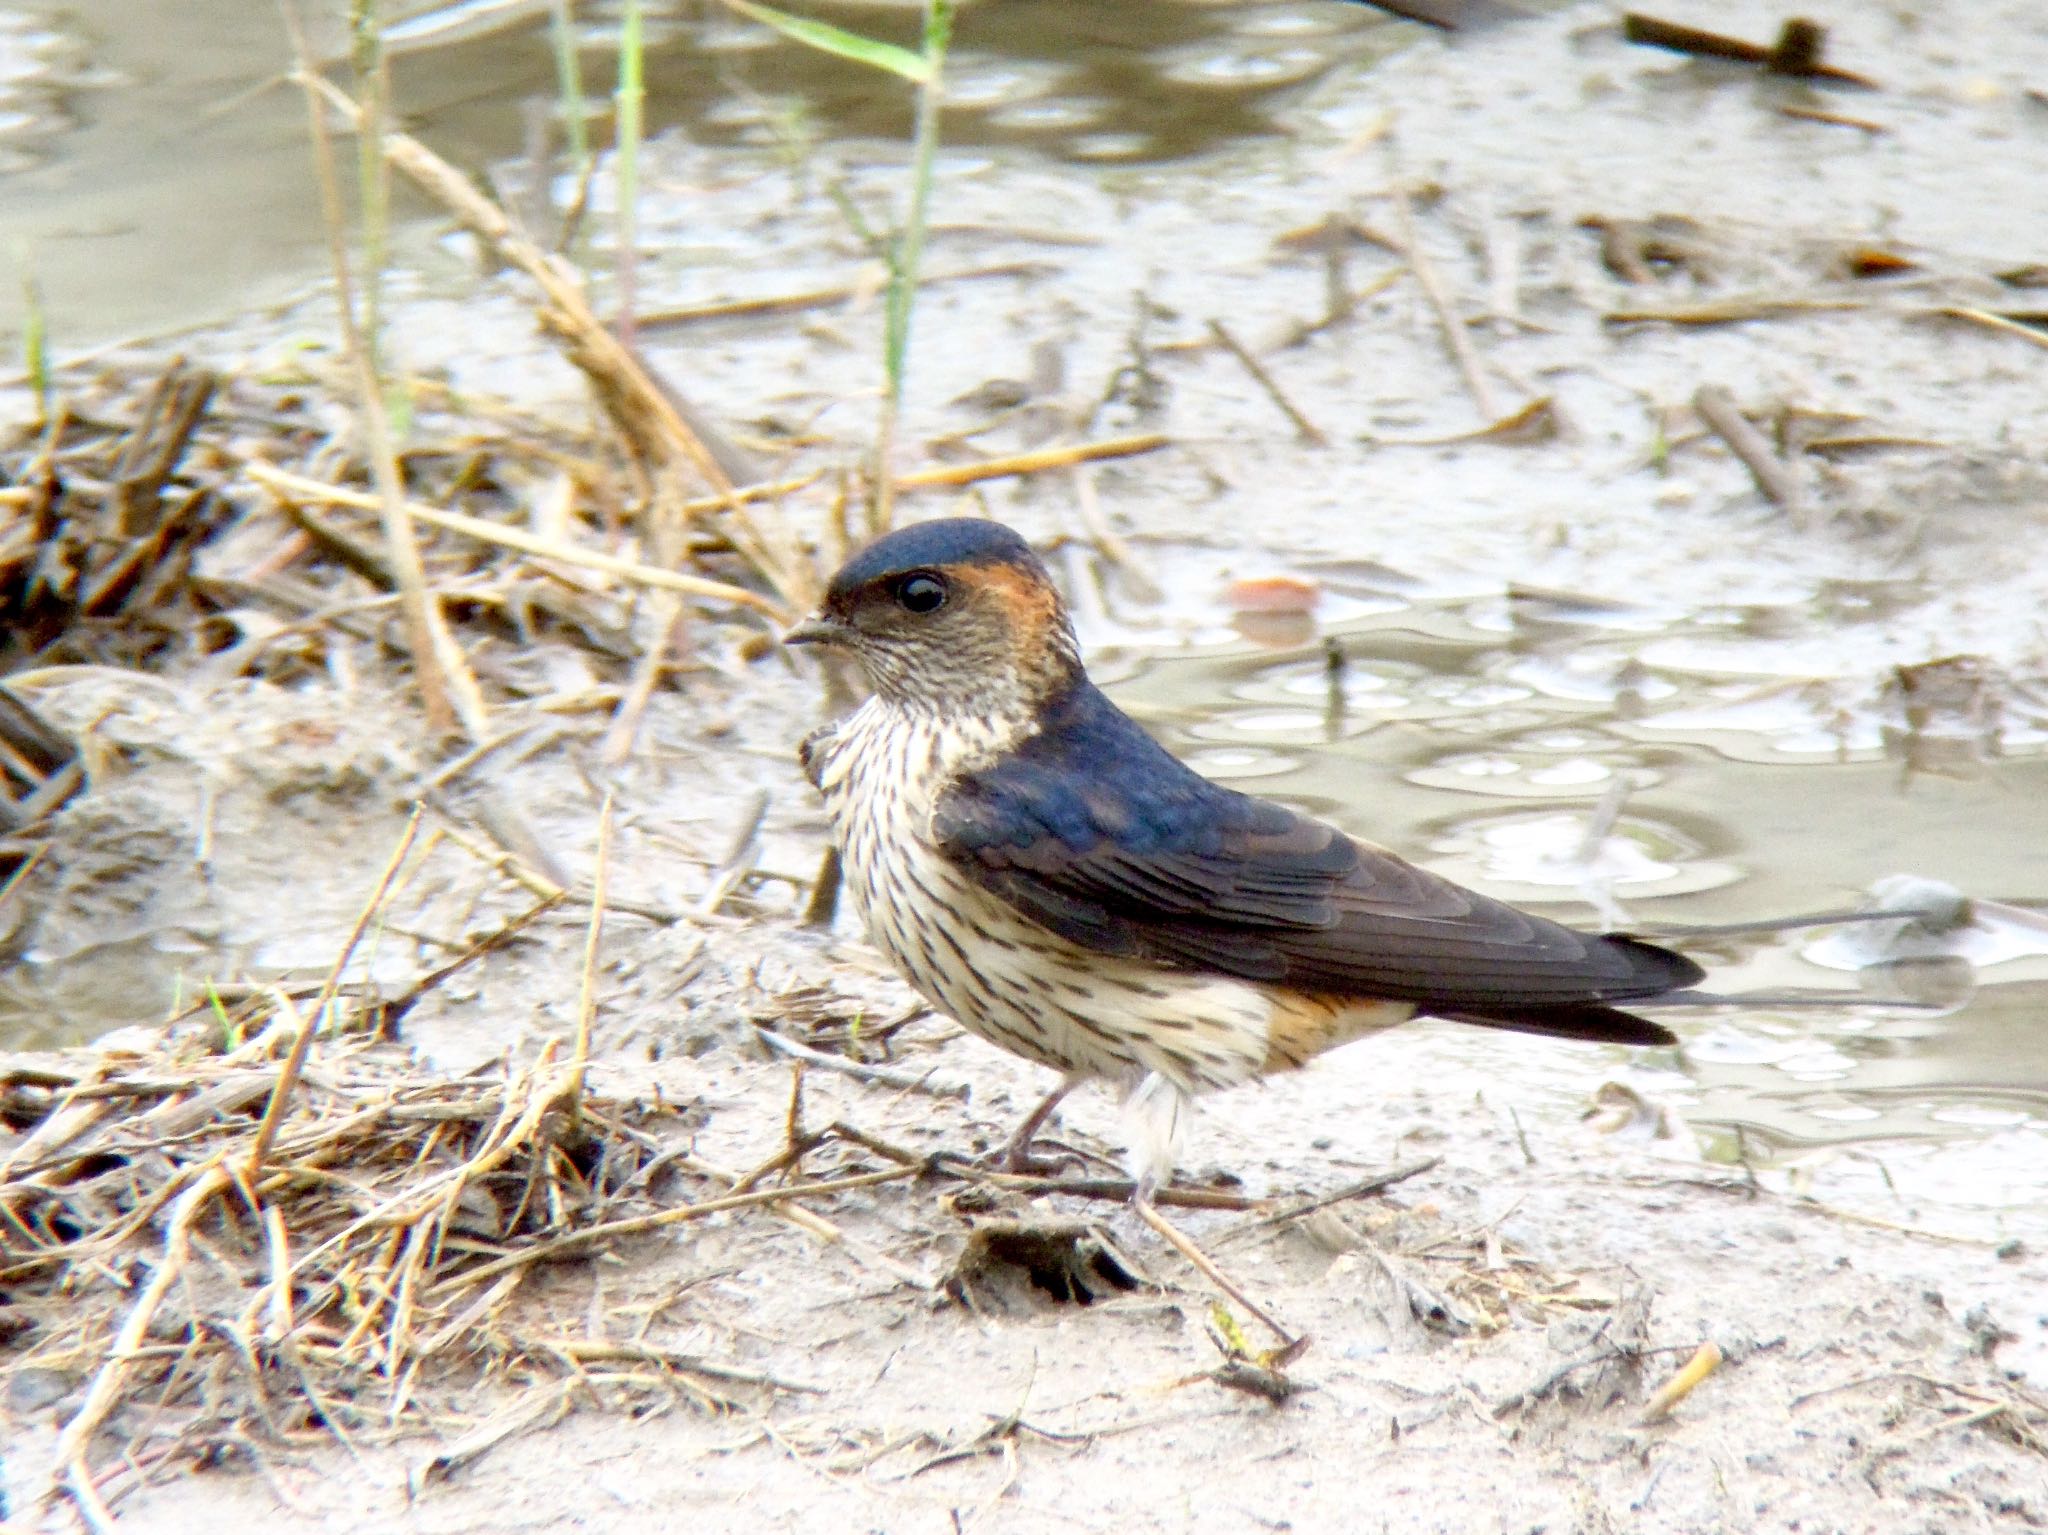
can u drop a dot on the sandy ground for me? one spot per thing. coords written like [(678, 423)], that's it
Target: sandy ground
[(1883, 1372), (1857, 1359)]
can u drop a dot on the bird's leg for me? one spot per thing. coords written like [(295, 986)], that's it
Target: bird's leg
[(1155, 1110), (1016, 1154), (1182, 1243)]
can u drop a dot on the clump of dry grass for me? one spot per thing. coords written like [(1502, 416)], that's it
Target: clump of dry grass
[(331, 1275), (217, 1294), (271, 1224), (168, 518), (97, 527)]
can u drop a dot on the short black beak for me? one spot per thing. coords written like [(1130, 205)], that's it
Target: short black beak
[(817, 631)]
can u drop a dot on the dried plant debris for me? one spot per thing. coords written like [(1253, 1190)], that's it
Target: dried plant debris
[(97, 541), (1737, 274), (152, 522), (1797, 51), (1919, 1406), (1602, 1363), (166, 515), (166, 1287), (39, 771), (1642, 250), (1428, 1278), (1716, 407), (1260, 1373), (824, 1019)]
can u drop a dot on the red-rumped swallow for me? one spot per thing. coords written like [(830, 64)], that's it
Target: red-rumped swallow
[(1039, 868)]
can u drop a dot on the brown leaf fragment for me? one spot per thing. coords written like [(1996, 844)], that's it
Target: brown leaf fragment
[(1875, 261)]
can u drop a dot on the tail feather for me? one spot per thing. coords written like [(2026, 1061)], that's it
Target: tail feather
[(1655, 969), (1586, 1020)]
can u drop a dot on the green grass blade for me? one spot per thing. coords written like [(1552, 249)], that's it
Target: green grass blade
[(906, 253), (909, 253), (230, 1031), (826, 38), (35, 344), (569, 80)]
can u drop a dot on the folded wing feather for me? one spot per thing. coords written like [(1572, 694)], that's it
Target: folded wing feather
[(1094, 830)]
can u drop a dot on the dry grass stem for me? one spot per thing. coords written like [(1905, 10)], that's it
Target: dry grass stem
[(1304, 428), (825, 298), (294, 1063), (586, 1003), (1185, 1246), (880, 1076), (1456, 337), (106, 1390), (1036, 461), (1773, 476), (1991, 320), (1734, 311), (298, 486), (645, 413), (447, 687), (580, 1241), (1705, 1360)]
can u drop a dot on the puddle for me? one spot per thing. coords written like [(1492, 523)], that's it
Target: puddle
[(1635, 774), (125, 151)]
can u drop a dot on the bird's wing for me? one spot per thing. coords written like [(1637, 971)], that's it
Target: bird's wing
[(1095, 831)]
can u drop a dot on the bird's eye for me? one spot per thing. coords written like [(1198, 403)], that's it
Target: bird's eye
[(921, 592)]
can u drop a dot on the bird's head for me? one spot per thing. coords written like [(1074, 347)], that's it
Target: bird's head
[(951, 616)]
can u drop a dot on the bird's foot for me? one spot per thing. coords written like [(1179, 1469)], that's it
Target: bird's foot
[(1016, 1155), (1022, 1159)]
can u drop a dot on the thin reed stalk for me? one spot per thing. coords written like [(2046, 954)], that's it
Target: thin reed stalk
[(447, 688), (373, 177), (569, 82), (273, 1112), (630, 102), (586, 1005), (908, 253)]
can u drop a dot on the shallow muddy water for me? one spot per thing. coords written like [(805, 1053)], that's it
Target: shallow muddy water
[(1650, 770), (153, 177)]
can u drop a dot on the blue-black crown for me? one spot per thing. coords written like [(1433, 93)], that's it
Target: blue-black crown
[(947, 541)]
